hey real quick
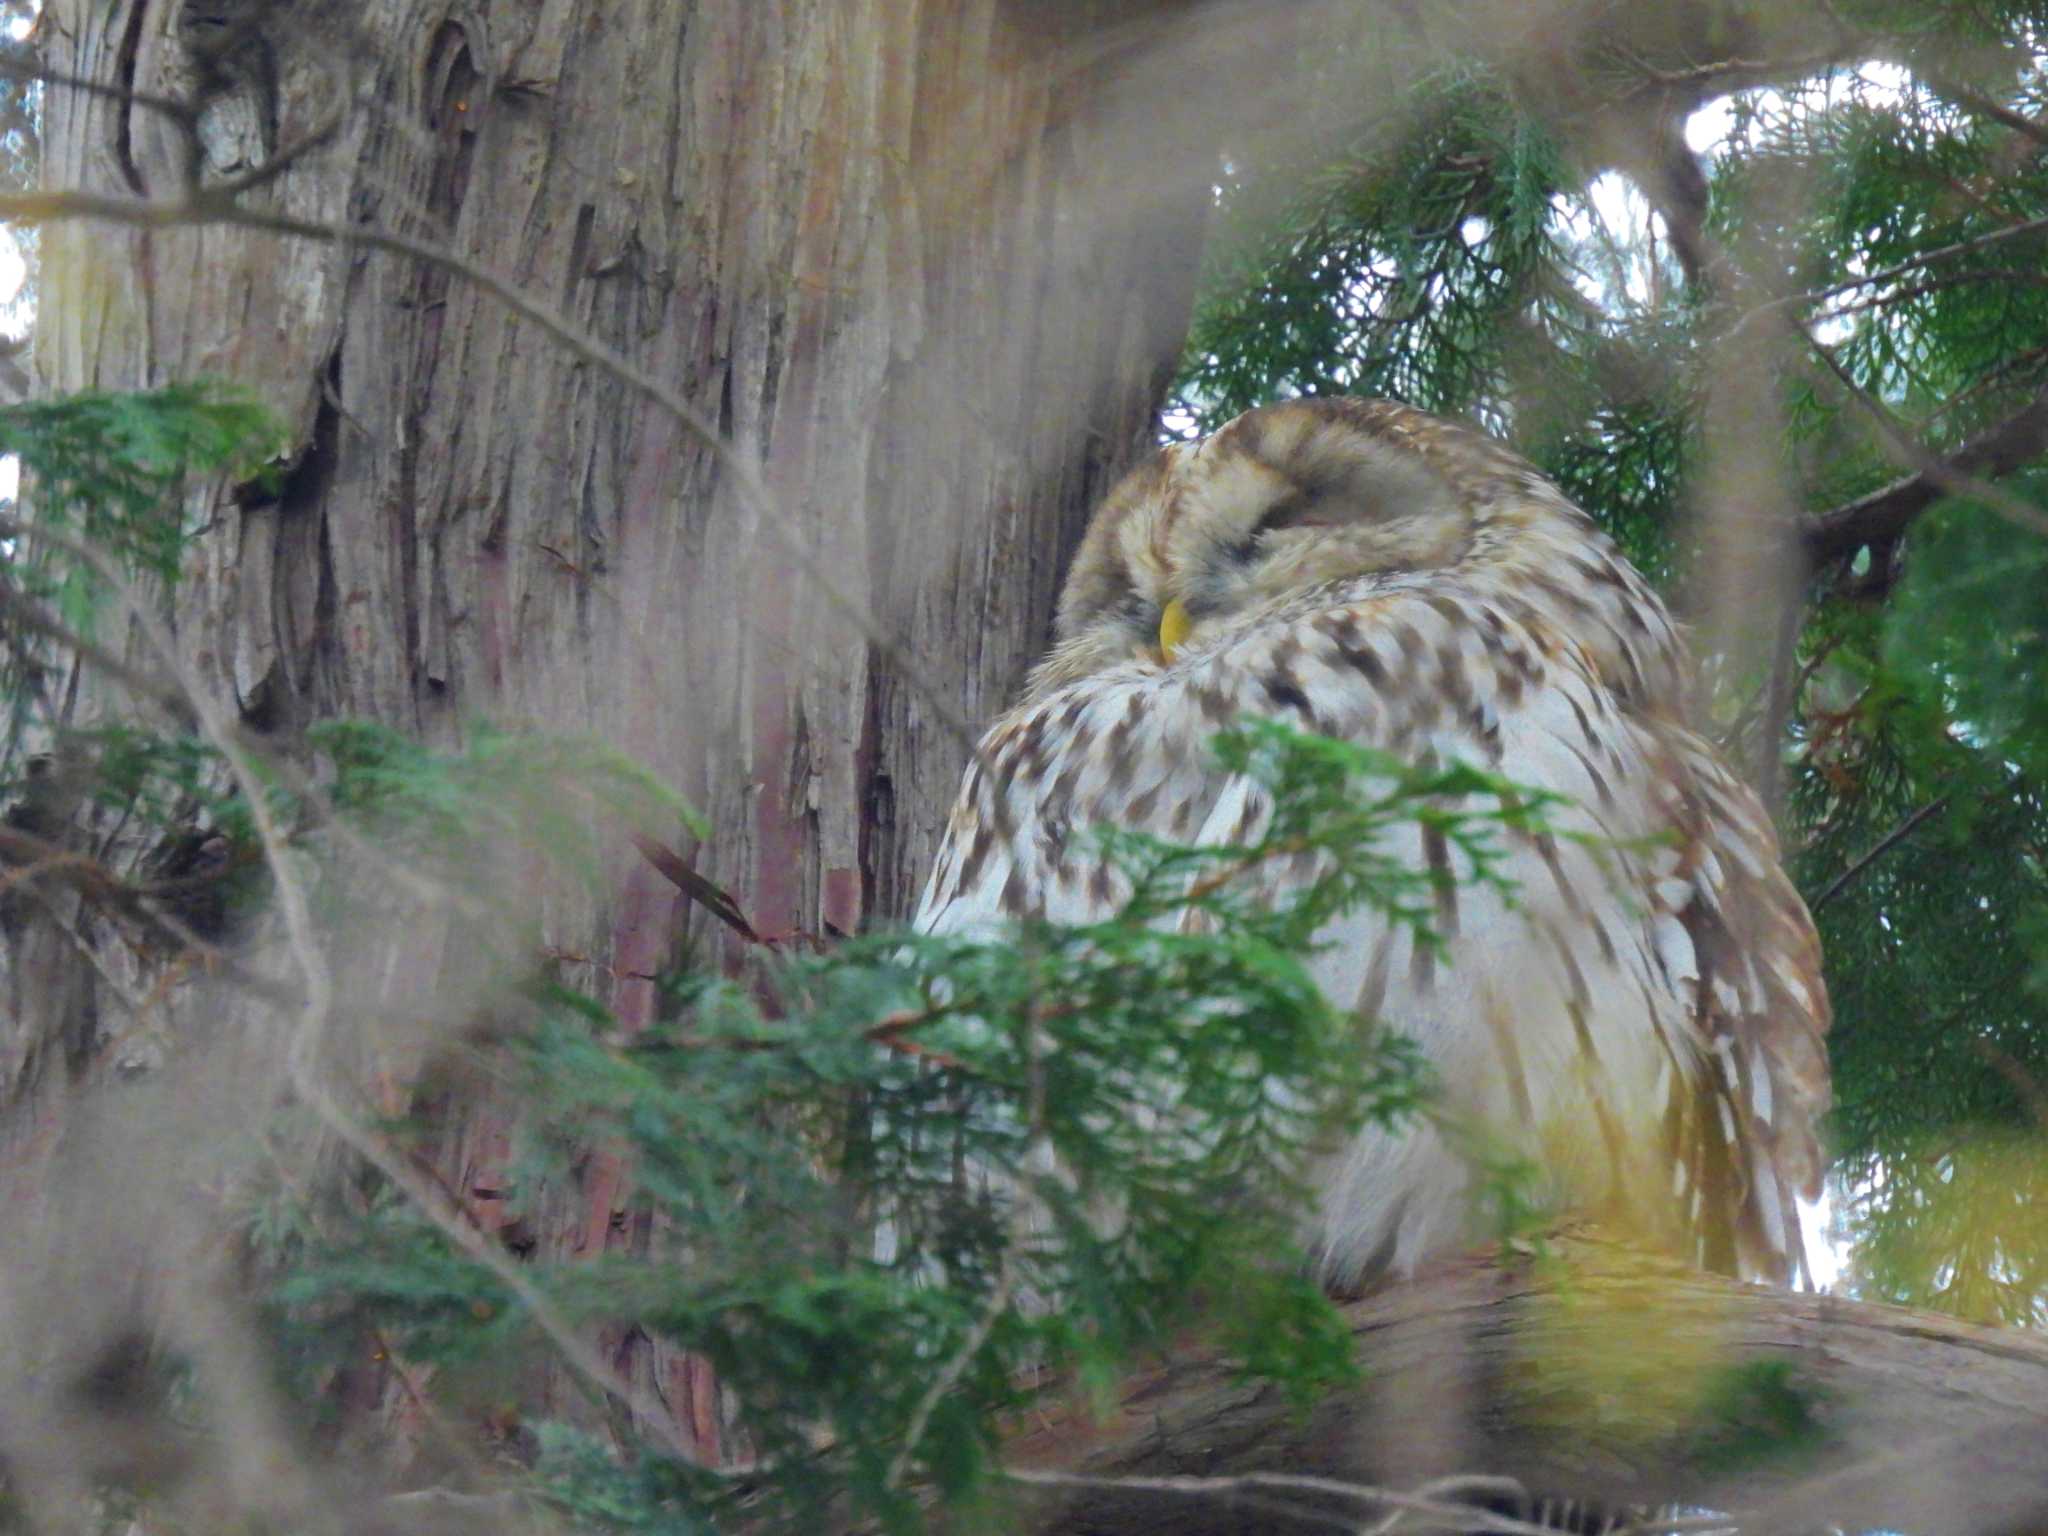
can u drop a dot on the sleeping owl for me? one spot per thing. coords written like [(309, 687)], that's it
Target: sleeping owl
[(1643, 1019)]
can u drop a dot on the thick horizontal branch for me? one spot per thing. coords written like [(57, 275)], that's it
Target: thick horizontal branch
[(1883, 515), (1593, 1373)]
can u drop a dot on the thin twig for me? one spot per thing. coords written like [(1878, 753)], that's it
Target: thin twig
[(455, 1224), (36, 620), (314, 974), (117, 898), (2022, 1082), (887, 1032), (87, 874), (2031, 127), (180, 697), (1925, 259), (1676, 1525), (1996, 374), (137, 1008), (331, 822), (1717, 72), (1461, 1487), (956, 1366), (1883, 846), (283, 159), (176, 108), (2010, 275)]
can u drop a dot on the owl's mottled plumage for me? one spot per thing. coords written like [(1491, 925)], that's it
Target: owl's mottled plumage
[(1647, 1020)]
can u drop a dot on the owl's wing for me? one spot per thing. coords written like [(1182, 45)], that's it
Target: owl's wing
[(1643, 1020), (1762, 1008)]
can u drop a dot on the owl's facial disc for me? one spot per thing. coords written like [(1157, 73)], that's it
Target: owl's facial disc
[(1270, 509), (1252, 532)]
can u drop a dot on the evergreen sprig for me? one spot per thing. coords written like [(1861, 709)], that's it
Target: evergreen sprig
[(889, 1186), (108, 469)]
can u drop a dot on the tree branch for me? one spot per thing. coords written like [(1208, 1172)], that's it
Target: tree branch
[(178, 110), (1883, 846), (1596, 1373), (2009, 275), (1968, 96), (1883, 515), (1906, 449), (1436, 1500), (1924, 259), (1669, 177), (316, 1008)]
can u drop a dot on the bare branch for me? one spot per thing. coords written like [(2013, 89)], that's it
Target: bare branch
[(284, 158), (948, 1376), (298, 911), (455, 1224), (34, 619), (1716, 77), (1925, 259), (175, 701), (2011, 275), (136, 1008), (1883, 846), (2022, 1082), (178, 110), (29, 857)]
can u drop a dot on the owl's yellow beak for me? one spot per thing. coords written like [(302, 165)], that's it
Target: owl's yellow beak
[(1174, 625)]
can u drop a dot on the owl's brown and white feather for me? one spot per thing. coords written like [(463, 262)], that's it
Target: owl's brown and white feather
[(1646, 1020)]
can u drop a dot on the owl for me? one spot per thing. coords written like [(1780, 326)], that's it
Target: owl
[(232, 69), (1643, 1018)]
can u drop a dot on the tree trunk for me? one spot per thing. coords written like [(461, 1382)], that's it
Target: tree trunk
[(890, 248), (930, 264), (1588, 1374)]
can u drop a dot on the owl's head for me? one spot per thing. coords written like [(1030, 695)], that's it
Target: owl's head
[(1282, 500)]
